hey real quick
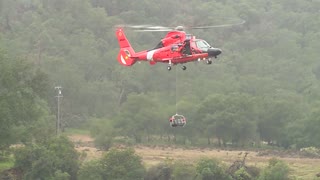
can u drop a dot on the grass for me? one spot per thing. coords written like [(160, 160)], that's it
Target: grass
[(301, 168), (153, 154), (305, 170), (7, 164), (71, 131)]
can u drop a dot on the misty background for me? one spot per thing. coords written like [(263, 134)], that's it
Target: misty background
[(265, 85)]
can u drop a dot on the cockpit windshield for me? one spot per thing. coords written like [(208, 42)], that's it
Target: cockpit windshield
[(203, 45)]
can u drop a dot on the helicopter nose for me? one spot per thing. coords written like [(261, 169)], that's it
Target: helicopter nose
[(214, 52)]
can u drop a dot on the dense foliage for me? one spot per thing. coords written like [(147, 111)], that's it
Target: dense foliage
[(211, 169), (23, 110), (264, 87), (116, 164), (275, 170), (52, 159), (207, 168)]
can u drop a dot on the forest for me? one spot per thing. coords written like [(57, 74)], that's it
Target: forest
[(263, 91)]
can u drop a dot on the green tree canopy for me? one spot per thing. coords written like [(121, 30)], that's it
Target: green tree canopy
[(48, 160), (22, 88)]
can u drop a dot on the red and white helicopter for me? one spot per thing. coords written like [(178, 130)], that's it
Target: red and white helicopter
[(176, 47)]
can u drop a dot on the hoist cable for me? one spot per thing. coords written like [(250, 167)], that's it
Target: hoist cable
[(176, 83)]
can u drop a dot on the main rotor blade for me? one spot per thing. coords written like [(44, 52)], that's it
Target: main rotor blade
[(154, 28), (146, 27), (217, 26)]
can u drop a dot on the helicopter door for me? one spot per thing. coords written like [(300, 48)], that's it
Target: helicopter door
[(186, 49)]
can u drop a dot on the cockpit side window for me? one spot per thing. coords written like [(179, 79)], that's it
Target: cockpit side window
[(159, 45), (203, 45)]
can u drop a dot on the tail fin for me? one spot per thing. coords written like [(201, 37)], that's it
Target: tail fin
[(126, 51)]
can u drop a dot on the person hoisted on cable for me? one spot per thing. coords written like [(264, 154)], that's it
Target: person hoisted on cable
[(177, 120)]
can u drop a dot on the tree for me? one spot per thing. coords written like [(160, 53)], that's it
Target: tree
[(103, 133), (183, 171), (177, 170), (229, 117), (115, 164), (310, 129), (122, 164), (91, 170), (242, 174), (56, 157), (22, 88), (276, 170), (138, 117), (208, 169), (276, 115), (161, 171), (73, 42)]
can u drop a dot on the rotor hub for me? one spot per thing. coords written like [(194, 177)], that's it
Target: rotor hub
[(179, 28)]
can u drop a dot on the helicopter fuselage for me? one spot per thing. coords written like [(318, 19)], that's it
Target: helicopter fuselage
[(176, 47)]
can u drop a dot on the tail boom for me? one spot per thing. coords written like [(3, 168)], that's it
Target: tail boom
[(126, 54), (124, 57)]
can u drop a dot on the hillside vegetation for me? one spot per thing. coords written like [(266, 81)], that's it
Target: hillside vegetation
[(263, 89)]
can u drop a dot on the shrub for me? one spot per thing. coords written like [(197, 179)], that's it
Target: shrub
[(122, 164), (103, 141), (116, 164), (183, 171), (162, 171), (171, 170), (59, 175), (91, 170), (311, 152), (208, 169), (253, 171), (242, 174), (103, 133), (53, 159), (276, 170)]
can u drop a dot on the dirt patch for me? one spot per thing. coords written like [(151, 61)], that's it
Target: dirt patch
[(83, 143), (80, 138), (13, 173)]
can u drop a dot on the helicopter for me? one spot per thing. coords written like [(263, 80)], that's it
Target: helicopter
[(177, 47)]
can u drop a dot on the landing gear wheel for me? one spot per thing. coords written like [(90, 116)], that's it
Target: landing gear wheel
[(169, 68), (209, 62), (184, 67)]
